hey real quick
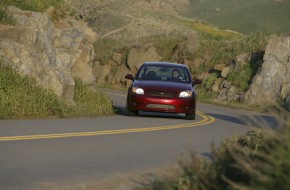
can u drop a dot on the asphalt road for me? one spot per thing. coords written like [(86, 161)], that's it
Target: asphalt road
[(81, 152)]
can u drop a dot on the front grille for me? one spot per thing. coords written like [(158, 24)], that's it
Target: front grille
[(160, 106), (162, 94)]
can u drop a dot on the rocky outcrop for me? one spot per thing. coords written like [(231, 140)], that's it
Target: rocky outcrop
[(273, 81), (138, 56), (117, 67), (51, 55), (227, 91)]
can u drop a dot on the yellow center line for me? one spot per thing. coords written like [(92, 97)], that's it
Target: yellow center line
[(206, 120)]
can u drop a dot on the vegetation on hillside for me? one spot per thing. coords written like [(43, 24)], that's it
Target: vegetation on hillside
[(60, 8), (20, 97), (4, 17), (33, 5), (213, 48), (257, 160), (245, 16)]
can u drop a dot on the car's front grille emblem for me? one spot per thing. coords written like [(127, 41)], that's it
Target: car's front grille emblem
[(163, 94)]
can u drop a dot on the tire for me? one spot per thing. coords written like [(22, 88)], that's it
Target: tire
[(130, 112), (190, 116)]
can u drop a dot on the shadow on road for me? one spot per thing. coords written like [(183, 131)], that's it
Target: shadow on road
[(119, 110), (258, 121)]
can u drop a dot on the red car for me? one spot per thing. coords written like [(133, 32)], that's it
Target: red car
[(162, 87)]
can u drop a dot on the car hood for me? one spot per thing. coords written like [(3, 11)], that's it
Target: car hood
[(162, 85)]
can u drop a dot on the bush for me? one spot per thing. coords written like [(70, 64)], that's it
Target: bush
[(256, 160), (242, 78)]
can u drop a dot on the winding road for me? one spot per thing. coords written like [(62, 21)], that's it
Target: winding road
[(79, 153)]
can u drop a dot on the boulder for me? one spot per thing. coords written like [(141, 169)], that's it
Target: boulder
[(102, 72), (137, 57), (225, 72), (52, 56), (219, 67), (241, 60), (120, 76), (229, 92), (275, 72)]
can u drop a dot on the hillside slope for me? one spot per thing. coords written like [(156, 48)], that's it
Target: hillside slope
[(134, 19), (245, 16)]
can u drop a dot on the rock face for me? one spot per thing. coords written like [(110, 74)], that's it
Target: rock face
[(273, 81), (52, 56), (114, 71)]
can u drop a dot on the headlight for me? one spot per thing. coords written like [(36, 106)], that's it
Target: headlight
[(137, 90), (185, 94)]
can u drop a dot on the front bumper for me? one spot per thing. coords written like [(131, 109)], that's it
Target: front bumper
[(167, 105)]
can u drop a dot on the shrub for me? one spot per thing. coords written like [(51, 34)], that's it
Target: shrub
[(256, 160), (243, 78)]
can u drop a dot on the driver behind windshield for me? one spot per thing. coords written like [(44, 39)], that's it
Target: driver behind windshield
[(176, 75)]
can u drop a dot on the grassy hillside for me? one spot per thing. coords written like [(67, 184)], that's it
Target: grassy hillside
[(21, 98), (245, 16)]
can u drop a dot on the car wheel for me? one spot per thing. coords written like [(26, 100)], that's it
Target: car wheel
[(130, 112), (190, 116)]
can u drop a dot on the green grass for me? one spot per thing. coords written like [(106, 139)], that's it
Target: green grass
[(244, 77), (33, 5), (60, 8), (5, 18), (21, 98), (89, 103)]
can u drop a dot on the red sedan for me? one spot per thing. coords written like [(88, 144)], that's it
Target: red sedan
[(162, 87)]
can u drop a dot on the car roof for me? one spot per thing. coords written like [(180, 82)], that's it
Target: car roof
[(164, 64)]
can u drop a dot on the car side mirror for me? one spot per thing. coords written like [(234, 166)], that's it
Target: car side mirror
[(196, 81), (129, 77)]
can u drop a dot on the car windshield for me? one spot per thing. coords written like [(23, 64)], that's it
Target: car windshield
[(163, 73)]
